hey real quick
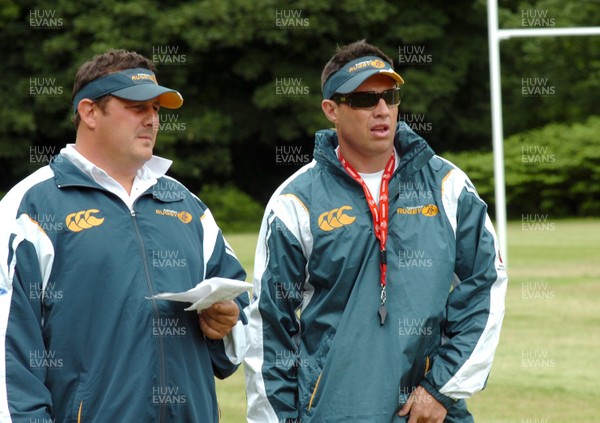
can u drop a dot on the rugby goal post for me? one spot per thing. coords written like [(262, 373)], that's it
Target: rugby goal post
[(495, 35)]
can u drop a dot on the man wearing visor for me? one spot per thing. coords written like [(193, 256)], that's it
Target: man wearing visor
[(81, 338), (379, 289)]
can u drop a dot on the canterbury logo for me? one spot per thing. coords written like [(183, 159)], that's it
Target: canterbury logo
[(335, 218), (79, 221)]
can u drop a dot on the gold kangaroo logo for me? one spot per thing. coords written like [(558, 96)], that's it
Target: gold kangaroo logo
[(81, 220), (335, 218)]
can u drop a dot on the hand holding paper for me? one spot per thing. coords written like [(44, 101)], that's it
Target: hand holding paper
[(208, 292), (218, 320)]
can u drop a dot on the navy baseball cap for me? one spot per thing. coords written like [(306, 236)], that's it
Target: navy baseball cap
[(354, 73), (138, 84)]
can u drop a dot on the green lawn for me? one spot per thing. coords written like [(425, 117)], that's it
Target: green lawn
[(546, 367)]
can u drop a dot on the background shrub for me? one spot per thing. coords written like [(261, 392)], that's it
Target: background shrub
[(234, 210), (553, 170)]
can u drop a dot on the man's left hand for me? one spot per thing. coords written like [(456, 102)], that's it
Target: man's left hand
[(421, 407), (217, 320)]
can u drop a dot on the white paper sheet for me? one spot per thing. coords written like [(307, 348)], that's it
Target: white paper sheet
[(207, 292)]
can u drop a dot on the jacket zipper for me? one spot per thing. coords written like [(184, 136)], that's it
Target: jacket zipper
[(140, 240), (161, 345)]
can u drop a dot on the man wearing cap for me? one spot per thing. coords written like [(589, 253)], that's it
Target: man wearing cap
[(81, 339), (378, 287)]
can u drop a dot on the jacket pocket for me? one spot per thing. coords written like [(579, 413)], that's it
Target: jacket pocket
[(79, 412), (314, 392), (78, 404), (428, 363), (418, 374)]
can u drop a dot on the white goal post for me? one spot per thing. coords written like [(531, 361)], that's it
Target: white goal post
[(495, 35)]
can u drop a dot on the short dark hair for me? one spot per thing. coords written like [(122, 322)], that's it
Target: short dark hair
[(104, 64), (348, 53)]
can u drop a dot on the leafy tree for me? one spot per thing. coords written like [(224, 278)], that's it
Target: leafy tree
[(552, 170), (250, 76), (549, 79)]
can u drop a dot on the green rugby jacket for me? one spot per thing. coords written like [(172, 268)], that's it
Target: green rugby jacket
[(81, 341), (317, 350)]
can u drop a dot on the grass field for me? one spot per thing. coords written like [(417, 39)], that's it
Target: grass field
[(546, 367)]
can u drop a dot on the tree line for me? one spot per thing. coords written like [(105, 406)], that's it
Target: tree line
[(250, 76)]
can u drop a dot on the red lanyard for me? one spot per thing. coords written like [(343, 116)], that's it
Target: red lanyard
[(380, 217)]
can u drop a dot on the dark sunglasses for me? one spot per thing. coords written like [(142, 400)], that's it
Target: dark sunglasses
[(368, 99)]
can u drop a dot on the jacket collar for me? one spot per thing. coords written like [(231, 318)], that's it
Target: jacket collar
[(154, 168), (74, 170), (66, 173), (413, 150)]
